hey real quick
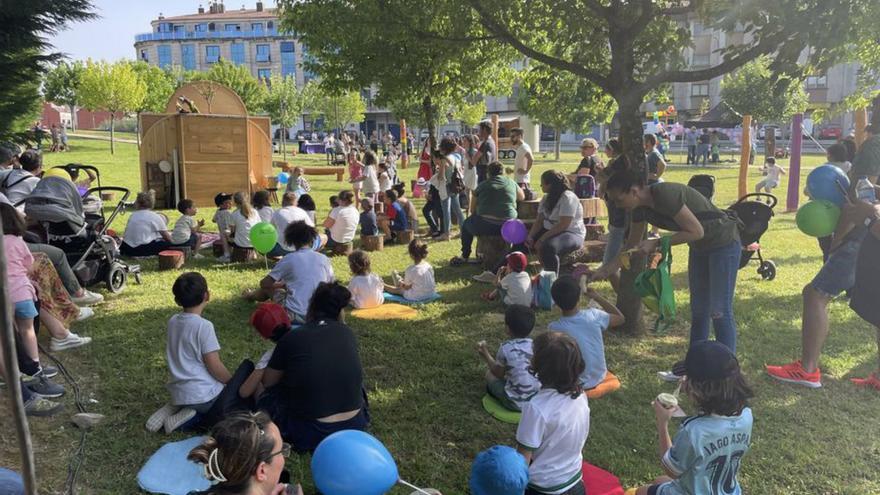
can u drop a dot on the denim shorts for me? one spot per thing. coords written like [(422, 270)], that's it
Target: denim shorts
[(839, 272), (25, 310)]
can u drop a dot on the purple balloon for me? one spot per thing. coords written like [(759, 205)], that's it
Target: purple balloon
[(514, 231)]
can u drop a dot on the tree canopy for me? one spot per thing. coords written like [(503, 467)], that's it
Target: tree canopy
[(61, 85), (339, 109), (755, 90), (114, 87), (239, 79)]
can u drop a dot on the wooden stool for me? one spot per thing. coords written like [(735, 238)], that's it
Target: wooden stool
[(171, 260), (273, 194), (243, 255), (373, 242), (342, 249), (527, 209), (217, 248), (405, 236), (493, 249), (594, 231)]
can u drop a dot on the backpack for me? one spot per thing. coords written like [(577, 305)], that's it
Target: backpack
[(585, 186), (456, 183), (654, 286), (541, 285)]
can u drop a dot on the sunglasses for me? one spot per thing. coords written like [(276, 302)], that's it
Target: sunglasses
[(284, 452)]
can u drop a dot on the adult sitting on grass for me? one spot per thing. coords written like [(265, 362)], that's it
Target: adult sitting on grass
[(314, 381), (713, 238), (147, 231), (244, 455), (342, 222), (495, 200)]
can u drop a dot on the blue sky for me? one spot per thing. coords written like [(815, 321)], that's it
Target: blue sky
[(111, 36)]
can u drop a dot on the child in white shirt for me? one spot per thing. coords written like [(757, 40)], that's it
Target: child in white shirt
[(509, 379), (223, 219), (366, 288), (261, 203), (513, 282), (556, 421), (418, 280), (186, 229), (369, 177), (772, 171)]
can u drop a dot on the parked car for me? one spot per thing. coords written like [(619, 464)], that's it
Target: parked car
[(831, 132)]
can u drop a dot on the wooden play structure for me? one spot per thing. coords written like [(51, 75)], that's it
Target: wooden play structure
[(204, 143)]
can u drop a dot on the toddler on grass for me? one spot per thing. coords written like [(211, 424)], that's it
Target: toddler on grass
[(272, 322), (513, 282), (187, 228), (418, 280), (509, 379), (366, 288), (368, 220)]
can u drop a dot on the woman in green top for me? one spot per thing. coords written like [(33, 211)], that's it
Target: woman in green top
[(713, 238)]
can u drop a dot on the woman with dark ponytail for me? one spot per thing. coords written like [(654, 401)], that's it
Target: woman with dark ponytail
[(559, 228), (244, 455)]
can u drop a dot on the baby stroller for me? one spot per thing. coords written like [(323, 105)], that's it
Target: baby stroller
[(703, 183), (755, 211), (57, 207)]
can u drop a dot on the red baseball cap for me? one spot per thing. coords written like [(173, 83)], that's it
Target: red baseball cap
[(517, 261), (267, 317)]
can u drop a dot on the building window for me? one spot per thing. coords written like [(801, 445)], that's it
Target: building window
[(163, 27), (263, 53), (257, 27), (288, 59), (232, 27), (212, 54), (238, 53), (201, 28), (700, 89), (188, 56), (264, 74), (179, 28), (700, 60), (817, 82), (144, 56), (270, 25), (164, 56)]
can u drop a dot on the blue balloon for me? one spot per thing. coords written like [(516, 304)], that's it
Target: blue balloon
[(822, 183), (351, 462), (283, 177)]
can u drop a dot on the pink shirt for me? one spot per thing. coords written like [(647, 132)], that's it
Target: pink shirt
[(355, 170), (18, 262)]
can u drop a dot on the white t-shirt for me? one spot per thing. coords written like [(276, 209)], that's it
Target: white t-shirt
[(144, 227), (516, 357), (345, 223), (555, 428), (183, 229), (366, 291), (265, 213), (190, 337), (568, 206), (223, 219), (22, 184), (518, 288), (520, 175), (371, 181), (384, 181), (286, 216), (421, 276), (242, 228), (302, 271)]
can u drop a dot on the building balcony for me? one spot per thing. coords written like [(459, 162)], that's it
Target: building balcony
[(211, 35)]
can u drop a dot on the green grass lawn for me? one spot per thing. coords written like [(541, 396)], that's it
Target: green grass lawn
[(425, 379)]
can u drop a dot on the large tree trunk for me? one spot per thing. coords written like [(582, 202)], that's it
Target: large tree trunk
[(73, 122), (428, 109), (629, 303), (558, 142), (112, 124)]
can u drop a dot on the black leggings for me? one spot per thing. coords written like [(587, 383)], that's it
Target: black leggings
[(153, 248)]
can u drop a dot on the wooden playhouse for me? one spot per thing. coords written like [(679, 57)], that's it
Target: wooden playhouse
[(204, 143)]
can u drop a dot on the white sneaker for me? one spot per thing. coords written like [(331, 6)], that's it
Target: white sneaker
[(70, 342), (668, 376), (87, 299), (198, 256), (395, 278), (224, 259), (486, 277), (85, 313), (157, 420), (178, 419)]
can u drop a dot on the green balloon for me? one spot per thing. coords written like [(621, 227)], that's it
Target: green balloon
[(818, 218), (263, 237)]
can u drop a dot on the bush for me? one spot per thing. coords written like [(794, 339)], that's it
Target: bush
[(127, 124)]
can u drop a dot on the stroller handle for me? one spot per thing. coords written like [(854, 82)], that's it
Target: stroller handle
[(125, 192), (769, 196)]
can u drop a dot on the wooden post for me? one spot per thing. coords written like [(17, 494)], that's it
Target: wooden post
[(794, 165), (746, 149), (13, 384), (861, 123), (404, 159), (495, 130)]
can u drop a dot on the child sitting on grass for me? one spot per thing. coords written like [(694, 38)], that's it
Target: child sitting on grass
[(223, 219), (263, 205), (193, 354), (307, 203), (499, 470), (513, 282), (297, 182), (272, 322), (706, 454), (555, 423), (509, 379), (187, 228), (585, 326), (366, 288), (398, 220), (418, 279), (368, 220)]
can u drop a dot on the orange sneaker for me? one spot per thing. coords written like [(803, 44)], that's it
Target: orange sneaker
[(794, 373), (871, 382)]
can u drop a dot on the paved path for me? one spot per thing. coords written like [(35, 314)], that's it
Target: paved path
[(100, 138)]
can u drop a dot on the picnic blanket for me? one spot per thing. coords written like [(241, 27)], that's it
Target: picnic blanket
[(168, 471), (388, 311), (402, 300), (597, 481)]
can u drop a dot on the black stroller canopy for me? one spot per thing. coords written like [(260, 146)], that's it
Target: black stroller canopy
[(56, 200)]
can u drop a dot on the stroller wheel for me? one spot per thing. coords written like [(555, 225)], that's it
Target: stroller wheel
[(116, 278), (767, 270)]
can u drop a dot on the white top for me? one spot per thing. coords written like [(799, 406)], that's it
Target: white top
[(302, 271), (190, 337), (520, 175), (242, 228), (773, 172), (345, 223), (518, 288), (421, 276), (183, 229), (265, 213), (263, 363), (371, 181), (286, 216), (568, 206), (312, 216), (19, 190), (516, 357), (555, 428), (845, 166), (223, 219), (144, 227), (366, 291), (384, 181)]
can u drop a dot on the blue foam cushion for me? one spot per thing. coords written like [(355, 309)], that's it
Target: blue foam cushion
[(168, 471), (402, 300)]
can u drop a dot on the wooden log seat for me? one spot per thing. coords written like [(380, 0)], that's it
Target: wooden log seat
[(591, 252), (373, 242), (594, 207), (594, 231), (492, 249), (243, 255), (527, 210), (342, 249), (171, 260), (337, 171), (405, 236), (217, 247)]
